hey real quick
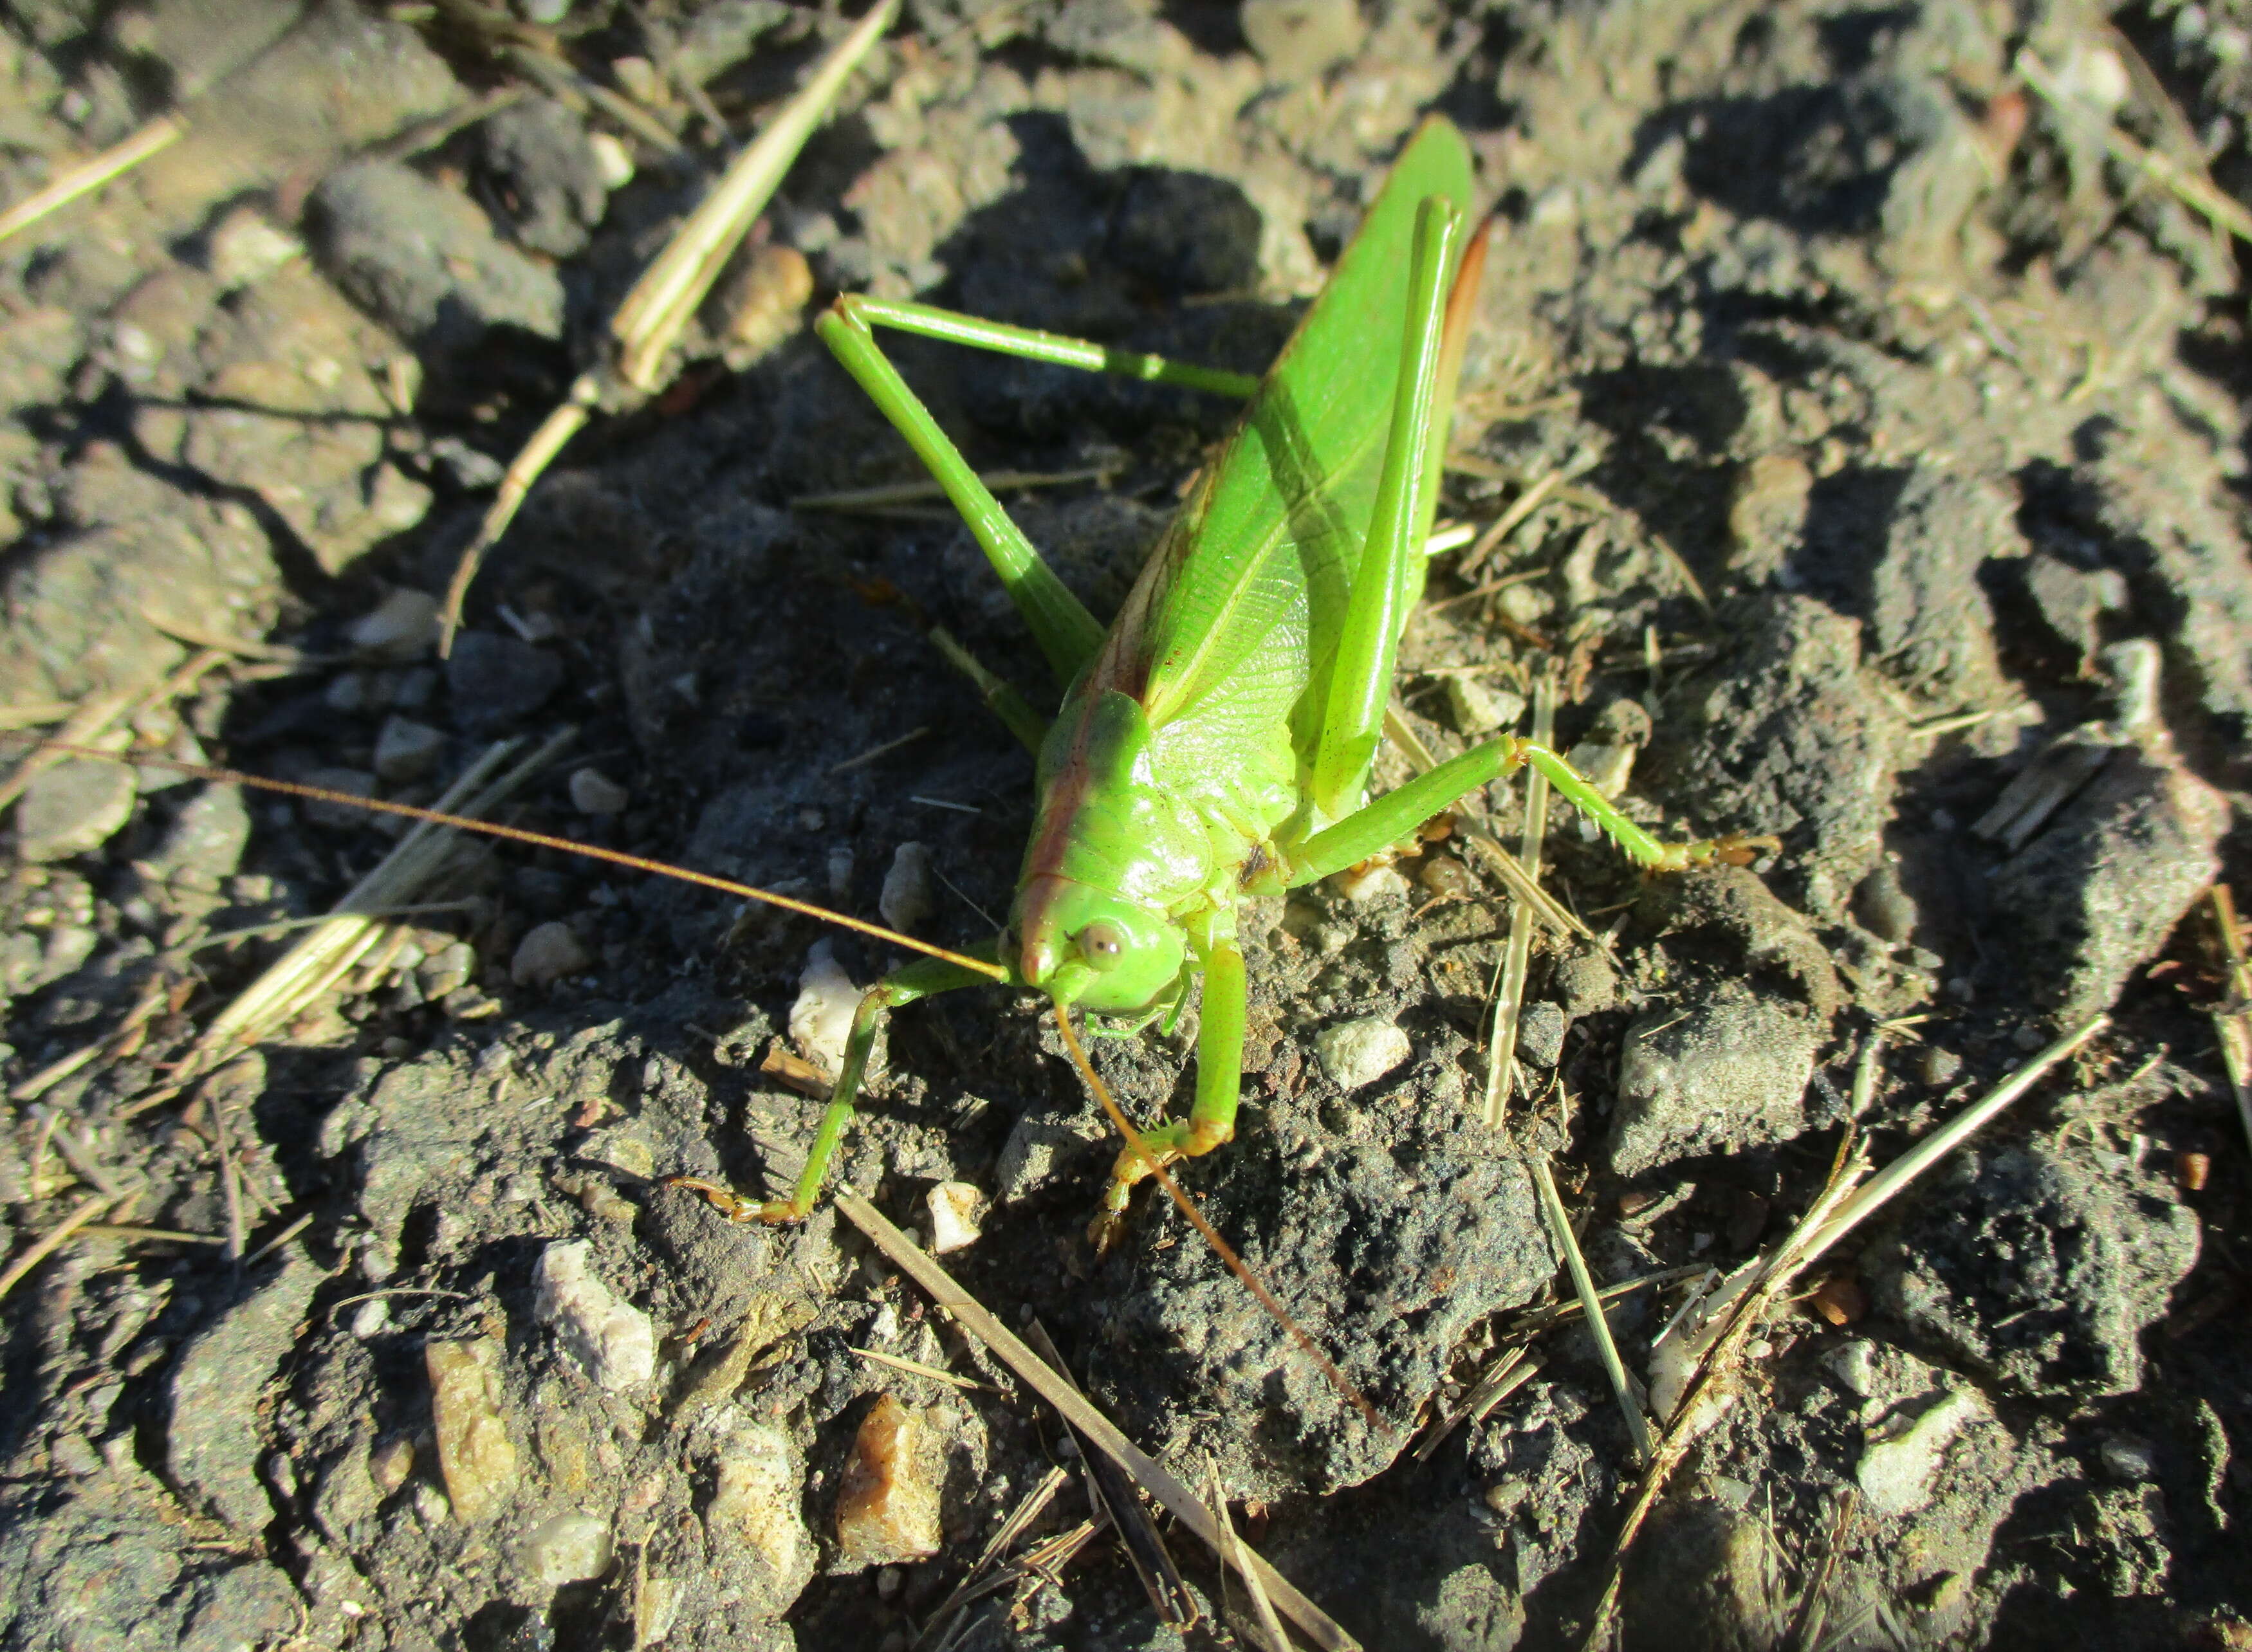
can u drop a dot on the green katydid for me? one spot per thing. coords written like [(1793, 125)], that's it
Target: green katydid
[(1216, 741)]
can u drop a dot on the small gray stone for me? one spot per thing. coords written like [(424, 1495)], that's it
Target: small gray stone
[(595, 792), (496, 680), (1358, 1053), (1896, 1474), (1728, 1072), (1583, 982), (905, 901), (546, 954), (612, 1340), (423, 259), (406, 750), (73, 808), (568, 1548), (1541, 1031), (2128, 1458), (1039, 1149), (404, 626), (216, 1438), (1476, 709), (206, 839)]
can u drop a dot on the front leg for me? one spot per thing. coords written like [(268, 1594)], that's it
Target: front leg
[(1219, 1087), (922, 980)]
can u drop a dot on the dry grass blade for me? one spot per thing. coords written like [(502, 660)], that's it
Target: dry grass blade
[(97, 714), (1880, 1188), (1567, 1246), (915, 1368), (939, 1627), (1522, 886), (1509, 1373), (900, 493), (93, 172), (1814, 1608), (1099, 1431), (317, 960), (652, 313), (650, 318), (1262, 1609), (2188, 183), (1841, 1207), (1516, 958), (52, 1240), (1112, 1493), (2232, 1023)]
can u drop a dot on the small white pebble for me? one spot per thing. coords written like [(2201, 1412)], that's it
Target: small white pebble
[(1374, 883), (595, 792), (953, 1216), (404, 626), (612, 160), (546, 954), (905, 901), (613, 1340), (1359, 1052), (821, 1020), (566, 1549), (407, 750), (1476, 709), (2129, 1458)]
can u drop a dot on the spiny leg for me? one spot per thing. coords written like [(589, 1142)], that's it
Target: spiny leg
[(1066, 633), (1219, 1087), (921, 980), (1392, 817)]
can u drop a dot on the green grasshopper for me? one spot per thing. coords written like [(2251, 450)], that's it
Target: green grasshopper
[(1215, 743)]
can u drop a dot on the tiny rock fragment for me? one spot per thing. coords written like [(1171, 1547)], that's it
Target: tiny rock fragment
[(72, 808), (821, 1020), (886, 1504), (595, 792), (952, 1208), (761, 305), (2191, 1171), (906, 899), (1896, 1473), (612, 160), (546, 954), (2128, 1458), (567, 1549), (243, 248), (756, 1502), (470, 1418), (1768, 513), (390, 1463), (404, 626), (1371, 881), (1475, 709), (1444, 875), (497, 681), (1840, 1299), (613, 1341), (407, 750), (1359, 1052)]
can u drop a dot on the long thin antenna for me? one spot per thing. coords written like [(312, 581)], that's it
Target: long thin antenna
[(1220, 1247), (519, 835)]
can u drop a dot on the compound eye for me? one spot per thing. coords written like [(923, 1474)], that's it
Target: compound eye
[(1102, 944)]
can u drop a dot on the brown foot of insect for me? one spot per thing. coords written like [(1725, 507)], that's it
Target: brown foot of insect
[(1737, 849), (1168, 1144), (735, 1207)]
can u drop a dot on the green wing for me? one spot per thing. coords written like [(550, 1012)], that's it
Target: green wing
[(1256, 575)]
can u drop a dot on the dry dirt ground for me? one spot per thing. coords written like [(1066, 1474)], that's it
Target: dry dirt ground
[(1885, 419)]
